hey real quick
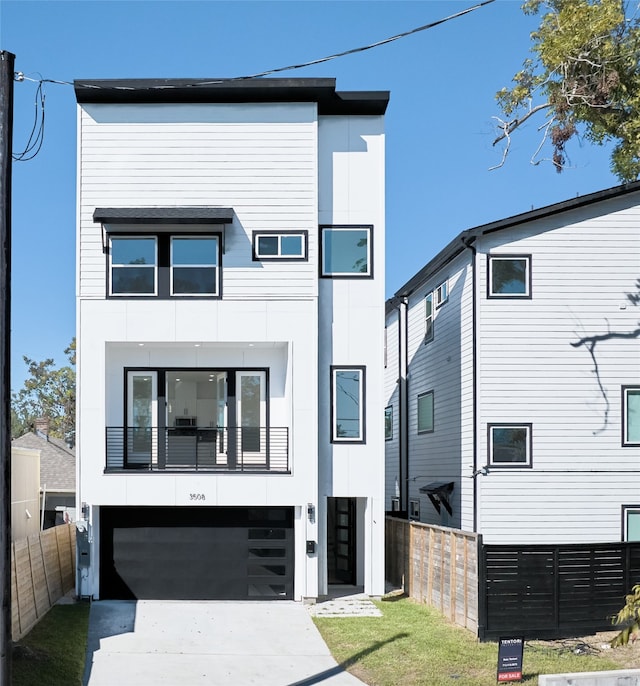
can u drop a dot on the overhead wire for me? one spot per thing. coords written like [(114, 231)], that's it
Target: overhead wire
[(36, 138)]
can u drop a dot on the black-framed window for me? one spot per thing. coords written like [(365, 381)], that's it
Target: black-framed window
[(347, 404), (441, 294), (164, 265), (281, 246), (509, 445), (414, 510), (428, 318), (631, 522), (509, 276), (346, 251), (395, 504), (631, 415), (388, 423), (425, 412)]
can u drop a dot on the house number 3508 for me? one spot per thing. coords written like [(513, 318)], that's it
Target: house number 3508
[(196, 496)]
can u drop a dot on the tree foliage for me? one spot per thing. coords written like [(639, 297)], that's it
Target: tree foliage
[(629, 618), (47, 392), (584, 75)]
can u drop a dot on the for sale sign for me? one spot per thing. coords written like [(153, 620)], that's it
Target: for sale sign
[(510, 659)]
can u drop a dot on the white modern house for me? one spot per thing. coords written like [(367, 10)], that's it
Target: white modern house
[(512, 386), (230, 304)]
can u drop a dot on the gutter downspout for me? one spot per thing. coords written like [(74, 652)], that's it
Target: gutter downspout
[(403, 404), (468, 243)]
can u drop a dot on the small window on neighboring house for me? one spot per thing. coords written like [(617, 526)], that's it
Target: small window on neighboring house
[(428, 318), (414, 510), (347, 404), (194, 265), (509, 276), (134, 262), (388, 423), (395, 504), (280, 245), (346, 251), (510, 445), (425, 412), (385, 347), (442, 293), (631, 415), (631, 522)]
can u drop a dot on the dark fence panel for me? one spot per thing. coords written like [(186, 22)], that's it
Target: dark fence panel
[(551, 591)]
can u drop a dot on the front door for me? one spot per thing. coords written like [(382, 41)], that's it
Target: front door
[(341, 539)]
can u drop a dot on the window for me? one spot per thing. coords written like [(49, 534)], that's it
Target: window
[(510, 445), (133, 265), (388, 423), (395, 504), (428, 318), (280, 245), (346, 251), (631, 522), (509, 276), (425, 412), (164, 265), (194, 265), (631, 415), (347, 404), (414, 509), (442, 293)]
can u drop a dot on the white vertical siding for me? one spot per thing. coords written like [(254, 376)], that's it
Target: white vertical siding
[(583, 264)]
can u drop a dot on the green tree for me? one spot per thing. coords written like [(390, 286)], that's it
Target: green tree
[(584, 77), (47, 392)]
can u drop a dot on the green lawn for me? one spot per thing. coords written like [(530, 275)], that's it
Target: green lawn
[(53, 652), (413, 645)]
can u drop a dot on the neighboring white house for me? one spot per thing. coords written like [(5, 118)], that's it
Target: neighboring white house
[(513, 378), (230, 317)]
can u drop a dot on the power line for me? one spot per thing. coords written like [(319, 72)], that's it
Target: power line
[(36, 138)]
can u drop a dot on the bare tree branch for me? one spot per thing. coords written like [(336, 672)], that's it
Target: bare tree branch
[(509, 126)]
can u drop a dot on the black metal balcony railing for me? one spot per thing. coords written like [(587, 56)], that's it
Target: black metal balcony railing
[(222, 449)]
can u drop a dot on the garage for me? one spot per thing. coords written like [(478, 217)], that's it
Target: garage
[(189, 553)]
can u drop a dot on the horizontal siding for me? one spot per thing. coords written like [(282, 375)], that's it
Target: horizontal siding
[(264, 166), (531, 370), (391, 395)]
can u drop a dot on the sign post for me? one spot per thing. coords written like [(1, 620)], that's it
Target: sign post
[(510, 659)]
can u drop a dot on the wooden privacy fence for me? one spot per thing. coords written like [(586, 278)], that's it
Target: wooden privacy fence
[(42, 571), (437, 566)]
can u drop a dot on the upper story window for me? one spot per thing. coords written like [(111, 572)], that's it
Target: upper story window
[(280, 245), (347, 404), (510, 445), (509, 276), (388, 423), (134, 262), (194, 265), (164, 265), (442, 293), (428, 318), (425, 413), (346, 251), (631, 415)]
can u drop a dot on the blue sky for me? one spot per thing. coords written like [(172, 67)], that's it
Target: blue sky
[(439, 122)]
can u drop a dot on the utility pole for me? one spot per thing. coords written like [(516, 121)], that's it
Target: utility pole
[(7, 61)]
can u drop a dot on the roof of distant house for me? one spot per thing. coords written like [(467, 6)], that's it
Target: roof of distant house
[(250, 90), (57, 460)]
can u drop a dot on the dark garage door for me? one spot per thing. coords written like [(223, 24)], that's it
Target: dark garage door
[(188, 553)]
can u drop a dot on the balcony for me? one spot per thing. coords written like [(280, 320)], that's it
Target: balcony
[(193, 449)]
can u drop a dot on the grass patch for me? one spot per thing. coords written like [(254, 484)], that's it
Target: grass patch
[(53, 652), (413, 644)]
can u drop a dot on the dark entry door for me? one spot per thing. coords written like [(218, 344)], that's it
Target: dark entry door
[(341, 539)]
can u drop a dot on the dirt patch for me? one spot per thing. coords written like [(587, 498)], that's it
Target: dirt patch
[(598, 645)]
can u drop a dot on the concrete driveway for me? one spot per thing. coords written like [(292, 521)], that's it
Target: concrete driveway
[(187, 643)]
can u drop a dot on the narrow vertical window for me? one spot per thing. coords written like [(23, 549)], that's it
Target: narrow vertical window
[(425, 412), (442, 293), (428, 318), (631, 415), (388, 423), (347, 404)]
